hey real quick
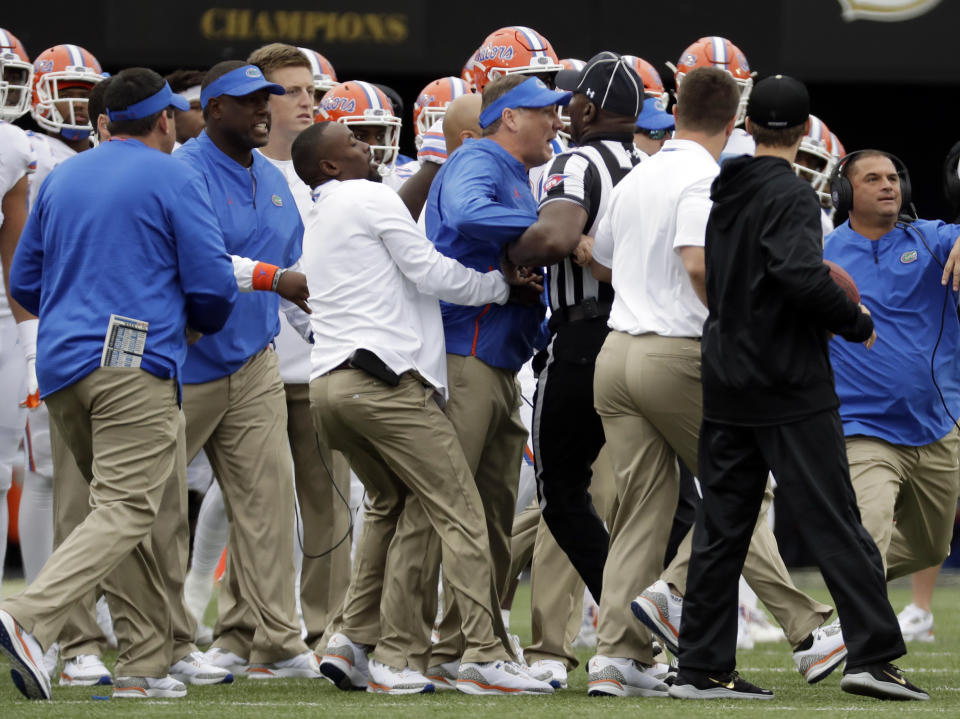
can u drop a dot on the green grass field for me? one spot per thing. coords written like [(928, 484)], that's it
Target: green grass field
[(935, 667)]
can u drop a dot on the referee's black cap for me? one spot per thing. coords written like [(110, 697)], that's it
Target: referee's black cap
[(609, 82)]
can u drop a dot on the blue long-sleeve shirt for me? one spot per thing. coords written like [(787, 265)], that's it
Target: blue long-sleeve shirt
[(259, 219), (121, 229), (888, 391), (479, 201)]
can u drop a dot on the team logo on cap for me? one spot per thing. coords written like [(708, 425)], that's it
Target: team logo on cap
[(885, 10), (253, 72), (277, 200), (540, 83), (907, 257)]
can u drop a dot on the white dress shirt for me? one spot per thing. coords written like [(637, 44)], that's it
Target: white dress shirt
[(661, 206), (375, 280)]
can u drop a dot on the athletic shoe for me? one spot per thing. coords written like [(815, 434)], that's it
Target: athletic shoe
[(223, 659), (300, 666), (51, 659), (105, 622), (444, 676), (826, 654), (345, 663), (717, 686), (660, 655), (195, 669), (660, 610), (761, 629), (148, 688), (26, 658), (84, 670), (616, 677), (550, 671), (498, 678), (881, 681), (385, 679), (916, 624)]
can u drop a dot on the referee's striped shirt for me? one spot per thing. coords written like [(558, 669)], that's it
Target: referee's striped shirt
[(585, 175)]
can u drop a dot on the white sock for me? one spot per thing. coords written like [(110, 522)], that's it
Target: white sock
[(208, 544), (36, 523), (4, 517), (747, 596)]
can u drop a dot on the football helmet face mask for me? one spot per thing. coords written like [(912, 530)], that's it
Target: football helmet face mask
[(510, 50), (324, 76), (466, 74), (56, 70), (431, 104), (16, 77), (359, 104), (719, 52), (817, 158), (652, 84)]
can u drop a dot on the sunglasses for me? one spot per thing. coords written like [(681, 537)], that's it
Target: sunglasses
[(655, 134)]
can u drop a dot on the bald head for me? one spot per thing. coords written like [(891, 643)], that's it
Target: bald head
[(330, 151), (461, 120)]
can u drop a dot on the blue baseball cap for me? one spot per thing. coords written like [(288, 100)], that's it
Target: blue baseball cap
[(237, 83), (529, 93), (654, 116)]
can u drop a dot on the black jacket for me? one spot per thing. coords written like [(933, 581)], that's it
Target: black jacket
[(771, 299)]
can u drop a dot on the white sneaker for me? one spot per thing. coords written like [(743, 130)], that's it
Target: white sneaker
[(105, 622), (233, 663), (345, 663), (498, 678), (301, 666), (826, 654), (916, 624), (84, 670), (551, 671), (616, 677), (660, 610), (444, 676), (195, 669), (26, 658), (51, 659), (148, 688), (762, 629), (385, 679)]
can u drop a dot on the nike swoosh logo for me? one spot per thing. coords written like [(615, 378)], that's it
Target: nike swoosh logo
[(726, 685), (897, 679)]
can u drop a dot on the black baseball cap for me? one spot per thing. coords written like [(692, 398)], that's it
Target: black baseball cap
[(778, 102), (609, 82)]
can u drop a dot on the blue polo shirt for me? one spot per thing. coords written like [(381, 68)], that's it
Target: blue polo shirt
[(479, 201), (888, 391), (259, 220), (127, 230)]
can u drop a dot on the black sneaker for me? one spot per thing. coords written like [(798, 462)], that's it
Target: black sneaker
[(880, 681), (716, 686)]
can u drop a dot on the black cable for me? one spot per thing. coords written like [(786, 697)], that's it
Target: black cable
[(943, 316), (346, 503)]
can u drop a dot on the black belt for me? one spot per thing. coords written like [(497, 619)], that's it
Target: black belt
[(589, 309)]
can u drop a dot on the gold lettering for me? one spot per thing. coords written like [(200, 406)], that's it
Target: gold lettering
[(374, 23), (241, 26), (350, 27), (262, 27), (212, 24), (315, 22), (397, 27), (289, 24)]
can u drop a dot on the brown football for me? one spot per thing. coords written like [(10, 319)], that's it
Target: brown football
[(843, 278)]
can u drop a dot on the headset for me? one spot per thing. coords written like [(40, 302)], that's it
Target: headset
[(841, 189)]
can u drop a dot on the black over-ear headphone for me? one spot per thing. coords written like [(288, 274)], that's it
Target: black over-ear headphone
[(841, 189)]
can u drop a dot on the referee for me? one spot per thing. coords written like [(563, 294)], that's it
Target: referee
[(574, 192)]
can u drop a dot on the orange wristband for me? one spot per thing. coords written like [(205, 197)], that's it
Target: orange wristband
[(263, 276)]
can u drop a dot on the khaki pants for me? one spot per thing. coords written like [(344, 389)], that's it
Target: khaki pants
[(484, 410), (240, 421), (322, 479), (907, 498), (647, 391), (122, 427), (400, 444)]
